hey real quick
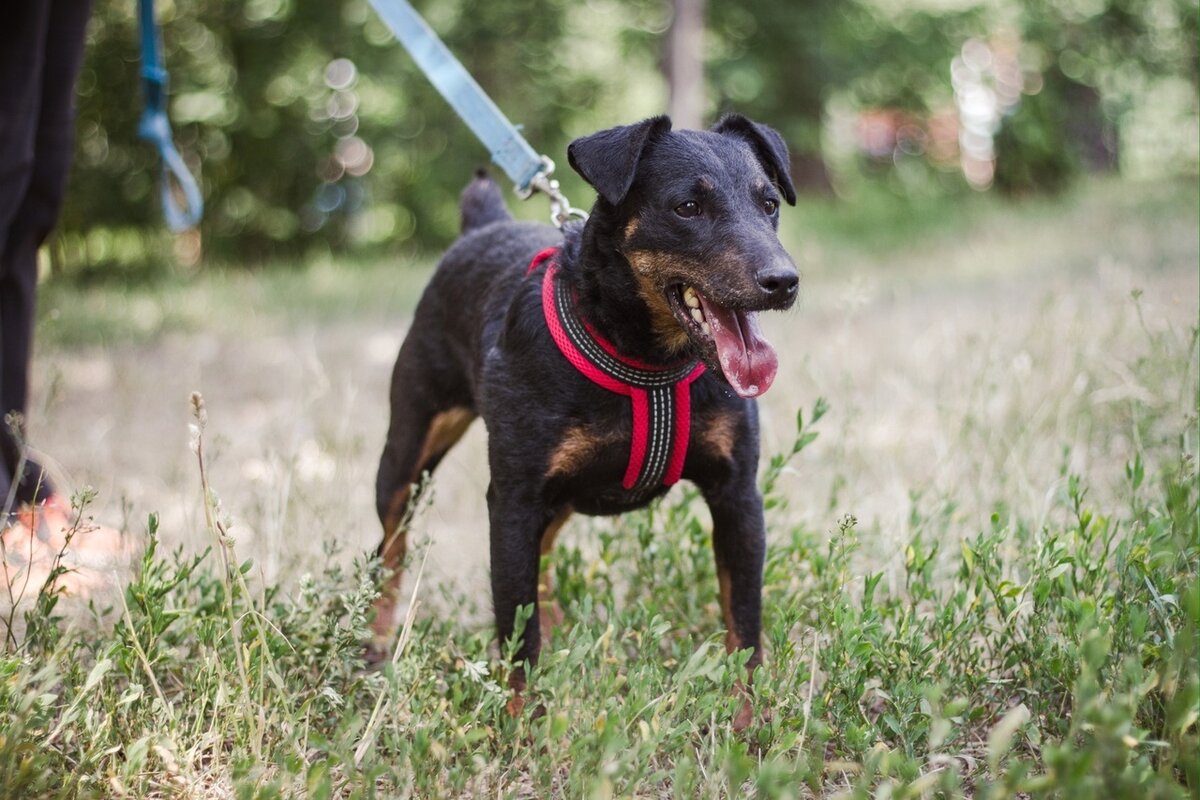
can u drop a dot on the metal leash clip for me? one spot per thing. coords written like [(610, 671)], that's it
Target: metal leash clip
[(561, 210)]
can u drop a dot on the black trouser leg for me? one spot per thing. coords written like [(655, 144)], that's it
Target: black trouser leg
[(41, 51)]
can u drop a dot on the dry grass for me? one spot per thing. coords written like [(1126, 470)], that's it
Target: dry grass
[(957, 368), (1012, 612)]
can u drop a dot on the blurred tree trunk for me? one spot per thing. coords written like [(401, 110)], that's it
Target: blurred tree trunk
[(1094, 133), (685, 63), (810, 173)]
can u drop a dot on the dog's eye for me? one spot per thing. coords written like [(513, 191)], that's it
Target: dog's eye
[(770, 206), (689, 209)]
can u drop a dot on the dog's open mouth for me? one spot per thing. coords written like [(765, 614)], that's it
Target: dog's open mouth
[(728, 339)]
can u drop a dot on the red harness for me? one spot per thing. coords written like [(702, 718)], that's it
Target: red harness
[(660, 397)]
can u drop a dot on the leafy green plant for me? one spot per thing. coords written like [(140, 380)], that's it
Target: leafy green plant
[(1039, 655)]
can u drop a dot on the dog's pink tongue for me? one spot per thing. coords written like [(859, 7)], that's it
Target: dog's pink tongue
[(747, 359)]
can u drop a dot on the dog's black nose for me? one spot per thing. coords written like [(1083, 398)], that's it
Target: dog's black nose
[(779, 283)]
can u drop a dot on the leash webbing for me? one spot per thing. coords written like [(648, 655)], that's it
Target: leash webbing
[(525, 168), (508, 148), (155, 128)]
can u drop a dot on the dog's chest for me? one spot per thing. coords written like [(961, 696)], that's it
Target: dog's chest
[(659, 397), (593, 463)]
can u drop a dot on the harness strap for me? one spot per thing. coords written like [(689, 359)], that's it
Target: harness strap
[(660, 398)]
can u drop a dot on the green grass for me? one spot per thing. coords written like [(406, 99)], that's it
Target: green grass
[(1045, 649), (878, 221), (73, 314), (1052, 660), (869, 233)]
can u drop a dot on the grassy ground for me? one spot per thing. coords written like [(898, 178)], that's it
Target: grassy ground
[(981, 578)]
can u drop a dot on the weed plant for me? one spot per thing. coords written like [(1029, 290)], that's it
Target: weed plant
[(1069, 670), (1049, 659)]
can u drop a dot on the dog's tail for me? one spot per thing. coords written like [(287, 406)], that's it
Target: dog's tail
[(482, 203)]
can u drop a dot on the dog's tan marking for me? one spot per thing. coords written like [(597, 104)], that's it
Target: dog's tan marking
[(654, 269), (668, 266), (516, 684), (718, 435), (445, 429), (648, 270), (551, 532), (745, 713), (631, 228), (391, 552), (391, 523), (732, 640), (579, 445), (549, 612)]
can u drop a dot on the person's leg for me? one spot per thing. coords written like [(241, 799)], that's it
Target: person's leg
[(43, 51), (22, 53)]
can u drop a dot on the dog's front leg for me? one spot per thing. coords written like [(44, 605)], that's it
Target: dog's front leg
[(517, 521), (739, 545)]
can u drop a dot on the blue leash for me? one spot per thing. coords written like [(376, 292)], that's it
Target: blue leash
[(155, 128), (509, 150)]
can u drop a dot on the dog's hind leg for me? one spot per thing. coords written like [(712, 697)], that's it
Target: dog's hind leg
[(426, 421)]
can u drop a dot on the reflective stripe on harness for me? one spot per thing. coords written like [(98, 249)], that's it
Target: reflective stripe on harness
[(660, 398)]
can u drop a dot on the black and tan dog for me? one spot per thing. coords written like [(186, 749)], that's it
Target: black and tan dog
[(608, 360)]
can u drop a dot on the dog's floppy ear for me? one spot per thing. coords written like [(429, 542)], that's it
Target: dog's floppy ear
[(768, 146), (608, 159)]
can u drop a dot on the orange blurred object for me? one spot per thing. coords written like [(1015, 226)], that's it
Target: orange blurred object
[(48, 534)]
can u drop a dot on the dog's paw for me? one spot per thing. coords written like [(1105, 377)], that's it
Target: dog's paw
[(744, 716), (515, 705)]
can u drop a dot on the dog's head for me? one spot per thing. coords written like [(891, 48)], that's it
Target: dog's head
[(695, 214)]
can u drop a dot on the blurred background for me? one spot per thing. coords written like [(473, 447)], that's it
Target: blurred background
[(313, 133), (998, 236)]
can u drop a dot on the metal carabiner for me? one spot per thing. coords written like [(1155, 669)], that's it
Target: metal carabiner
[(561, 210)]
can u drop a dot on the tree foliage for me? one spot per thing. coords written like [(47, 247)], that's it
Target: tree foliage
[(783, 61), (306, 123), (310, 128), (1092, 59)]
